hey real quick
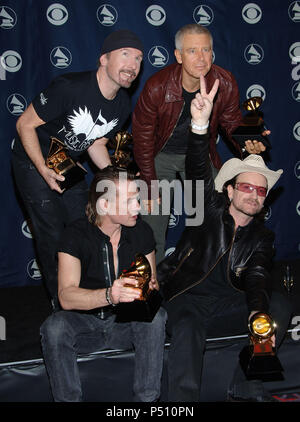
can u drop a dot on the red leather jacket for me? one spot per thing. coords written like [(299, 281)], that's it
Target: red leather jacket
[(160, 105)]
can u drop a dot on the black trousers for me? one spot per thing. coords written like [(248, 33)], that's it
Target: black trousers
[(191, 318), (49, 213)]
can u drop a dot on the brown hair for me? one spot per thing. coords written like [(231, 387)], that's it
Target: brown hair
[(109, 173)]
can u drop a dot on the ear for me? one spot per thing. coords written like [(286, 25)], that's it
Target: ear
[(178, 56), (102, 206), (103, 60), (230, 192)]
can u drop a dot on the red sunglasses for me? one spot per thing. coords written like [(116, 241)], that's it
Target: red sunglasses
[(248, 188)]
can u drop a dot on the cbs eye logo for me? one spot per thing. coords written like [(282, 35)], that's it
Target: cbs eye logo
[(11, 61), (156, 15), (296, 131), (251, 13), (57, 14), (294, 52)]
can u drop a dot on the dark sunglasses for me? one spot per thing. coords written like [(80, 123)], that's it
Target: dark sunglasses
[(248, 188)]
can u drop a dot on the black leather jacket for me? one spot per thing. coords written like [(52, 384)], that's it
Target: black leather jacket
[(201, 247)]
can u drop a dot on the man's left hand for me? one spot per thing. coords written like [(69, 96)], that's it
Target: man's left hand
[(153, 284), (256, 147)]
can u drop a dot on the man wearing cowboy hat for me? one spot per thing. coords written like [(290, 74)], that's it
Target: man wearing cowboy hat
[(219, 274)]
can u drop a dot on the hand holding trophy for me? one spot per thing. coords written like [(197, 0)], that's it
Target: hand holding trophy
[(252, 127), (259, 360), (144, 308), (59, 161)]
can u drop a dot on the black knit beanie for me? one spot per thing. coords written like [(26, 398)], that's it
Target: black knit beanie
[(122, 38)]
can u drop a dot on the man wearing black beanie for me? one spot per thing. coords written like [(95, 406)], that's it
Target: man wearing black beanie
[(82, 110)]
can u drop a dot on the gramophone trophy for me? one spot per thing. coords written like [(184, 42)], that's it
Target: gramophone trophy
[(144, 308), (252, 126), (259, 360), (59, 161), (122, 156)]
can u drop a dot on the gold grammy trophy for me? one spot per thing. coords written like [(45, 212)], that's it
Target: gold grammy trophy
[(259, 360), (144, 308), (252, 126), (121, 155), (59, 161)]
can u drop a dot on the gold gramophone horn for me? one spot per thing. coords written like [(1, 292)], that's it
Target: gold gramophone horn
[(140, 269), (262, 326), (121, 157), (252, 104)]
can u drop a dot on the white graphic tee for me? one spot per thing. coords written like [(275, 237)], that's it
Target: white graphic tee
[(77, 114)]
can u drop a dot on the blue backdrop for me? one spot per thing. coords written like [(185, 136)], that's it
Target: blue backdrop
[(259, 42)]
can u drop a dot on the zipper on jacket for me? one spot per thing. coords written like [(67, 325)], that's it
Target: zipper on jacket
[(228, 277), (182, 260)]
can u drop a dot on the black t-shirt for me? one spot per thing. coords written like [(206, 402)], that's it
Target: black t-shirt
[(177, 143), (76, 113), (92, 247), (216, 283)]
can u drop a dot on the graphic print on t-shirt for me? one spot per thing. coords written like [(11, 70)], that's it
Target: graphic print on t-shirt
[(75, 111), (82, 122)]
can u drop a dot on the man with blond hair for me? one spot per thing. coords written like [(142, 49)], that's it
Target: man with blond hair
[(161, 118)]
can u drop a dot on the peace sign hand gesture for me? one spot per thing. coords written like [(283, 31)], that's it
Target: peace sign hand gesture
[(202, 104)]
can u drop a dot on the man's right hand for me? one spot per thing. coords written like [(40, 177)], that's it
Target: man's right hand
[(51, 178), (122, 293), (202, 104)]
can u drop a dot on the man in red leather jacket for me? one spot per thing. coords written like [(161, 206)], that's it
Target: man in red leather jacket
[(161, 118)]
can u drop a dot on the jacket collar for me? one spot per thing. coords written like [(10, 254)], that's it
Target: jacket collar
[(229, 221), (174, 85)]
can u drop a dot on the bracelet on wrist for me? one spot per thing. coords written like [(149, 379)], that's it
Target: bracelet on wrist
[(108, 298), (197, 127)]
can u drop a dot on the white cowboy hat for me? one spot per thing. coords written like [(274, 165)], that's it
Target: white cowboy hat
[(253, 164)]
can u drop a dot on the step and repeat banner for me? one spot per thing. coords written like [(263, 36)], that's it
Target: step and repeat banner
[(259, 42)]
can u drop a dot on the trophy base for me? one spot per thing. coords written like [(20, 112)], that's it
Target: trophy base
[(263, 367), (246, 132), (139, 310), (72, 176)]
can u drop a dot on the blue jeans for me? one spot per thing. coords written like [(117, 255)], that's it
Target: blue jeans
[(67, 333), (49, 213)]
